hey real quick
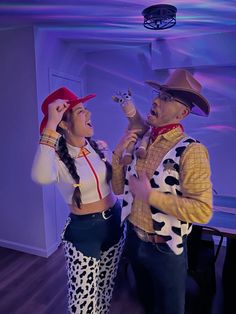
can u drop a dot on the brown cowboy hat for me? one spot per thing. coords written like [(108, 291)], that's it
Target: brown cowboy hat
[(61, 93), (183, 85)]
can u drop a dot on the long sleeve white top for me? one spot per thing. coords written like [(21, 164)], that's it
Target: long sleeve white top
[(48, 168)]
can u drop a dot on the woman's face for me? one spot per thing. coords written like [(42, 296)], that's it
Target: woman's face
[(79, 123)]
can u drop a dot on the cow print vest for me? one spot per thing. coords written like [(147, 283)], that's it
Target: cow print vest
[(165, 179)]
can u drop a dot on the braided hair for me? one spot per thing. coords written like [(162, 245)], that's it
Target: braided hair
[(69, 162)]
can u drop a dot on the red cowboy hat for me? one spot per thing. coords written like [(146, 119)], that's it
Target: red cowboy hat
[(61, 93), (182, 84)]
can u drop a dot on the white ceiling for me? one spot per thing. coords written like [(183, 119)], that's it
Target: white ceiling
[(95, 23)]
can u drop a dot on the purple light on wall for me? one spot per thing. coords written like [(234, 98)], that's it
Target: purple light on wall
[(220, 128)]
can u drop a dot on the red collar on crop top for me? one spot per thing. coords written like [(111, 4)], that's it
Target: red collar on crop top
[(164, 129)]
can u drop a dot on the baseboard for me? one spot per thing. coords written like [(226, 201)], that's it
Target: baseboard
[(29, 249)]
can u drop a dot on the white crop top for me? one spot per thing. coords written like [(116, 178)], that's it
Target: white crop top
[(48, 168)]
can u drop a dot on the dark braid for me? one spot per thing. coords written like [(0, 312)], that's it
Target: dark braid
[(102, 156), (70, 164)]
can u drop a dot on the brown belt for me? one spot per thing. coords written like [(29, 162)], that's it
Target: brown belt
[(148, 237)]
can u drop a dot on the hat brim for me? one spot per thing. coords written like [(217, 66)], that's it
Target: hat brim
[(200, 105), (79, 100), (72, 103)]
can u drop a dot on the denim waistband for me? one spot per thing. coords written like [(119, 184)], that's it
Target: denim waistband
[(105, 214)]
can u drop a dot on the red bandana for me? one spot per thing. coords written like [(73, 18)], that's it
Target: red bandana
[(164, 129)]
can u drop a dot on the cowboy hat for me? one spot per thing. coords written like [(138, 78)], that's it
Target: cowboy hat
[(61, 93), (183, 85)]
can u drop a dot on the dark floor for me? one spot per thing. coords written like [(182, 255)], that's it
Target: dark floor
[(34, 285)]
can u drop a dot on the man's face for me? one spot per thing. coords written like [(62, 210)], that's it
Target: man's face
[(166, 110)]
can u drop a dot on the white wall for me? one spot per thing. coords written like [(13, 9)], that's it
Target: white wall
[(111, 71), (29, 212), (21, 215)]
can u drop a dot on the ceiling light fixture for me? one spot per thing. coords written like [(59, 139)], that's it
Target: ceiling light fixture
[(159, 16)]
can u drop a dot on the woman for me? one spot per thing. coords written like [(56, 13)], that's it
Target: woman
[(92, 238)]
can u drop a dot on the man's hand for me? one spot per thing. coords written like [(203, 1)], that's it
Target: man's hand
[(140, 187), (128, 137)]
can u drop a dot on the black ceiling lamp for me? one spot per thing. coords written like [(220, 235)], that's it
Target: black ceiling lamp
[(159, 16)]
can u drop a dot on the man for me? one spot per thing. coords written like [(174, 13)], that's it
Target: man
[(164, 194)]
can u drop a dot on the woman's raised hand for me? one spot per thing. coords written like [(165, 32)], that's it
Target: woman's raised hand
[(55, 113)]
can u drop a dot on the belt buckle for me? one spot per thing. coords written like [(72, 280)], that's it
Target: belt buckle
[(104, 214), (141, 234)]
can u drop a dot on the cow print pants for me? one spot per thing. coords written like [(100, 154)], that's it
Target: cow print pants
[(92, 264)]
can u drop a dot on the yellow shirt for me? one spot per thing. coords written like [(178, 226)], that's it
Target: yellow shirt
[(195, 204)]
